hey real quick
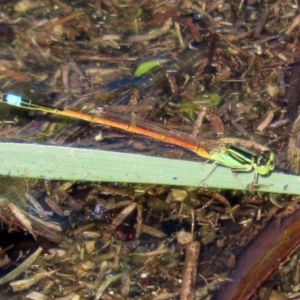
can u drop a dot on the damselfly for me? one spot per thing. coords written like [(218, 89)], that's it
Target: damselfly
[(222, 153)]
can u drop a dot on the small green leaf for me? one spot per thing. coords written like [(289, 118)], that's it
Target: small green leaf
[(187, 110), (139, 12), (147, 66), (215, 100), (210, 99)]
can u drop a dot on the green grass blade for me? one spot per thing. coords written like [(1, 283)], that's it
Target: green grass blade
[(76, 164)]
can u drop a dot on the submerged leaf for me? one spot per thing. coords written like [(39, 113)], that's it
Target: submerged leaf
[(147, 66), (211, 99)]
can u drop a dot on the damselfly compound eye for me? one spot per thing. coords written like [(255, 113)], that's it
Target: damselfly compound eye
[(265, 162)]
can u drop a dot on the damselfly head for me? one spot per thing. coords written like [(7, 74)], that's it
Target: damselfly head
[(265, 162)]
